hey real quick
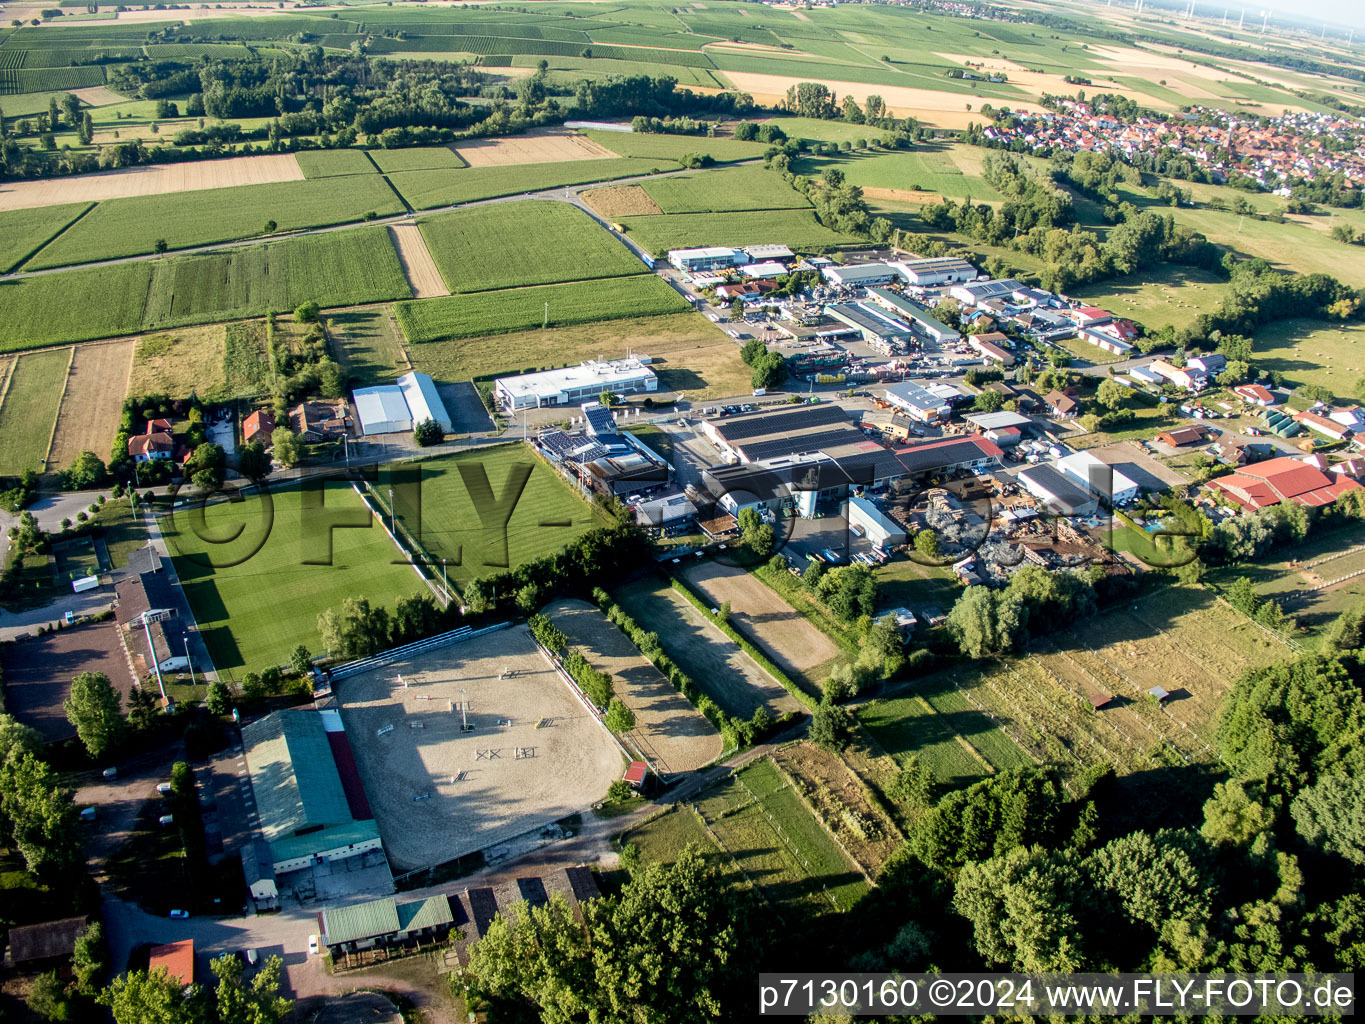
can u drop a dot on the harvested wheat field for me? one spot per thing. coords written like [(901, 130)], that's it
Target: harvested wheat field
[(783, 633), (98, 96), (150, 181), (93, 402), (944, 109), (542, 147), (902, 195), (621, 201), (418, 266), (670, 731)]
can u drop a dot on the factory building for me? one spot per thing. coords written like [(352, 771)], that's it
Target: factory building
[(574, 385)]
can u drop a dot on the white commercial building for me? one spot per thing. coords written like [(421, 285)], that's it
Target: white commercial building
[(715, 258), (394, 408), (881, 529), (862, 275), (931, 273), (1099, 478), (574, 385)]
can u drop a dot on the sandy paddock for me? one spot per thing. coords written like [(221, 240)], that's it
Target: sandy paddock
[(93, 403), (786, 635), (98, 96), (673, 733), (427, 812), (150, 181), (947, 110), (549, 146), (902, 195), (418, 266)]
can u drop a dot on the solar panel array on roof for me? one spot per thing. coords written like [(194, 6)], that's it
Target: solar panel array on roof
[(600, 420), (796, 418), (790, 444), (558, 443)]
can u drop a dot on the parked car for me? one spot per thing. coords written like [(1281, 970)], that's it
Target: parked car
[(180, 914), (110, 773), (163, 788)]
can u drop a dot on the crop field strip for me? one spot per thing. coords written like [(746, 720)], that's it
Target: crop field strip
[(333, 163), (28, 414), (133, 226), (334, 269), (421, 158), (670, 147), (14, 81), (796, 228), (520, 309), (735, 189), (24, 232), (535, 242), (426, 189)]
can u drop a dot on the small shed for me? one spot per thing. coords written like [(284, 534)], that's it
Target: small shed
[(1100, 700), (1160, 693), (34, 945), (636, 774), (176, 957)]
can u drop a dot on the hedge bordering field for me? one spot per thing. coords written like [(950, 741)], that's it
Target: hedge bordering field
[(748, 648)]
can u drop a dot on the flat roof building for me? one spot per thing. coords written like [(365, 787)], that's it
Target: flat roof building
[(977, 292), (763, 253), (398, 407), (1057, 492), (860, 275), (937, 271), (918, 402), (574, 385), (713, 258), (1099, 478)]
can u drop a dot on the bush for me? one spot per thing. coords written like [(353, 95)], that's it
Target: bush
[(427, 433)]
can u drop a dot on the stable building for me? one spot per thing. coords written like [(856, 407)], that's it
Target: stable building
[(308, 814), (386, 923), (1283, 479), (574, 385)]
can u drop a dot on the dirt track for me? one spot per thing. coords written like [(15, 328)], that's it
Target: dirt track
[(418, 266), (667, 727), (150, 181), (93, 403), (549, 146)]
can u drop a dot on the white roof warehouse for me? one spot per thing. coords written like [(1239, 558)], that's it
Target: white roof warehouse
[(574, 385), (392, 408)]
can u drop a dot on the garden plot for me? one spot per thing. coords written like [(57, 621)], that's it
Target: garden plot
[(483, 743)]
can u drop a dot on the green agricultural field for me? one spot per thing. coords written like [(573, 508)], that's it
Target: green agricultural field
[(534, 243), (1292, 245), (332, 163), (76, 305), (520, 309), (368, 344), (422, 158), (446, 186), (548, 515), (29, 410), (948, 172), (1165, 294), (253, 613), (339, 268), (129, 227), (671, 147), (24, 232), (1314, 352), (823, 131), (797, 228), (739, 188)]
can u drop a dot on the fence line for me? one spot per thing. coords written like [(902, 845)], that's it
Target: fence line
[(454, 636)]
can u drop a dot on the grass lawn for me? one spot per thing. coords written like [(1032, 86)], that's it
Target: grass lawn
[(368, 344), (536, 243), (690, 353), (24, 232), (910, 725), (254, 612), (1292, 245), (953, 172), (1313, 352), (904, 583), (547, 515), (738, 188), (1087, 352), (29, 411), (521, 309), (797, 228), (1165, 294), (176, 362)]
